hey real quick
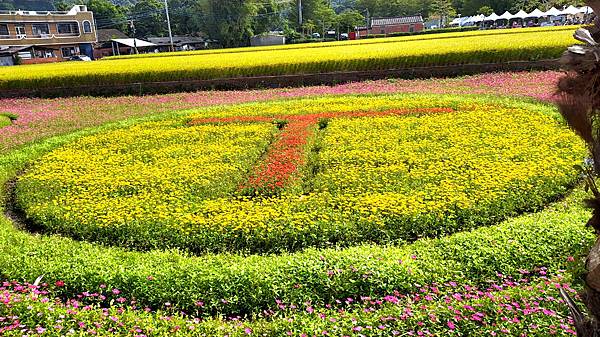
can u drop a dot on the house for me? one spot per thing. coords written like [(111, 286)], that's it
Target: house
[(386, 26), (105, 45), (48, 36), (163, 44)]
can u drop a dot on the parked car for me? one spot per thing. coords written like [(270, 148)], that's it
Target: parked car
[(316, 36), (344, 36), (80, 58)]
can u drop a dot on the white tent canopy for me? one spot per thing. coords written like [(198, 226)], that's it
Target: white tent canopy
[(138, 43), (585, 10), (553, 12), (571, 10), (521, 14), (536, 14), (506, 16), (491, 17), (478, 18), (463, 21)]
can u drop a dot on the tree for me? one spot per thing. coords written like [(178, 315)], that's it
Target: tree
[(231, 22), (443, 9), (350, 18), (579, 103), (308, 27), (185, 17), (149, 18), (107, 15), (485, 10), (325, 17)]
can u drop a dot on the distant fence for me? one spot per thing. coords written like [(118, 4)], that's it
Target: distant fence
[(279, 81)]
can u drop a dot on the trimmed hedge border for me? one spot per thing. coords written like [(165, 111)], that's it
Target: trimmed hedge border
[(233, 284)]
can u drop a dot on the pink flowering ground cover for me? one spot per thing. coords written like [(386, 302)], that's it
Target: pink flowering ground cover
[(41, 118), (528, 306)]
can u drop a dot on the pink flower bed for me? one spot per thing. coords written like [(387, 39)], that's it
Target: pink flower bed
[(39, 118)]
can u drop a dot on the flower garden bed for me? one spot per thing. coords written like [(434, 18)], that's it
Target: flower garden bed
[(374, 176), (353, 287)]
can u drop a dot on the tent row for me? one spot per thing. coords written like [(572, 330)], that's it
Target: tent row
[(571, 10)]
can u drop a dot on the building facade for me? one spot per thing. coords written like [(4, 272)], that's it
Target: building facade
[(48, 36), (386, 26)]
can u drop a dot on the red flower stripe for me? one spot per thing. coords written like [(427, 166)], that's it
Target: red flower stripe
[(286, 154)]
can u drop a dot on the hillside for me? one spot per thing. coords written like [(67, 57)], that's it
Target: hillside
[(47, 5), (35, 5)]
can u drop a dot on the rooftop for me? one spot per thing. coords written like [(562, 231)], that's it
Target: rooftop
[(73, 11), (397, 20), (105, 35)]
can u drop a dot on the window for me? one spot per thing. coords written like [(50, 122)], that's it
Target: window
[(68, 28), (40, 29), (87, 27), (69, 51), (20, 28), (4, 30)]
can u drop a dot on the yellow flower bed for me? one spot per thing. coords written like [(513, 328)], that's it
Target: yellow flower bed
[(474, 48), (382, 179)]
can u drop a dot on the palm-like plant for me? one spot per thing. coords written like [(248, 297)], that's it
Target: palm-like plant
[(579, 102)]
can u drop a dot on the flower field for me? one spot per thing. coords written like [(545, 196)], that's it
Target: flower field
[(522, 45), (375, 176), (39, 118), (382, 215), (430, 37)]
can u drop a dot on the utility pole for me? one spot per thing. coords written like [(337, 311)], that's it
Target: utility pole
[(132, 26), (169, 25), (368, 21), (300, 13)]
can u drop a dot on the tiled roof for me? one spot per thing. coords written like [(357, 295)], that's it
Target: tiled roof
[(397, 21), (105, 35)]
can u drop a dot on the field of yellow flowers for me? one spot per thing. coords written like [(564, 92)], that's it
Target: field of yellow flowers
[(371, 169), (331, 187), (422, 51)]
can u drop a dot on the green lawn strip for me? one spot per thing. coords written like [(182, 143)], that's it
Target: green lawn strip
[(231, 284)]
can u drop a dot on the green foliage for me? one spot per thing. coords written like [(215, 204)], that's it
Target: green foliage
[(149, 18), (105, 13), (4, 121), (485, 10), (349, 19)]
